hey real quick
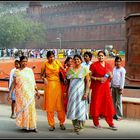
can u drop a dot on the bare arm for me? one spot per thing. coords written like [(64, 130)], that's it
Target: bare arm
[(43, 74), (11, 89), (96, 78), (110, 75), (43, 70), (87, 87), (61, 67), (66, 87)]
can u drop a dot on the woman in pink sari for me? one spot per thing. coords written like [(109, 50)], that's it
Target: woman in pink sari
[(25, 87)]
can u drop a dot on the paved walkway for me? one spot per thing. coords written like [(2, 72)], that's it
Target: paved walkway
[(126, 128)]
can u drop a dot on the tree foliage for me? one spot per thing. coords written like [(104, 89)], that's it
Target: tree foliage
[(12, 7), (17, 29)]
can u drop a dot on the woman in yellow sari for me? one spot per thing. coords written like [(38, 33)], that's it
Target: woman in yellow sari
[(25, 86), (53, 100)]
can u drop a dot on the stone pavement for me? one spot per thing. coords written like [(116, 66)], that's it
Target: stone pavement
[(126, 128)]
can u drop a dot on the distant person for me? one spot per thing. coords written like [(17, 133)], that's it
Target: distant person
[(117, 85), (68, 52), (11, 79), (106, 52), (25, 91), (101, 100)]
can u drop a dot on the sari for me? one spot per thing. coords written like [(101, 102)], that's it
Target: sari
[(77, 109), (64, 88), (25, 100)]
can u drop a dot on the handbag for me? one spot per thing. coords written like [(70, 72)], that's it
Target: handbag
[(61, 77)]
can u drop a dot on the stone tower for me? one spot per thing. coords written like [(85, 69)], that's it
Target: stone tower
[(133, 42), (35, 9)]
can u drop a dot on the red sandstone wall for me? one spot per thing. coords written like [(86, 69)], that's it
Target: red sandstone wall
[(133, 41), (84, 24)]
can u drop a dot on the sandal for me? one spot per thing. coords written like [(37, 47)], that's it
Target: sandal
[(76, 129), (62, 127), (13, 116), (34, 130), (51, 128)]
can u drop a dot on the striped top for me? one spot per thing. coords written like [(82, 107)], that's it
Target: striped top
[(81, 73), (77, 108)]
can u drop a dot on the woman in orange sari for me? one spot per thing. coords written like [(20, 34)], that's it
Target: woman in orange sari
[(25, 86), (53, 93)]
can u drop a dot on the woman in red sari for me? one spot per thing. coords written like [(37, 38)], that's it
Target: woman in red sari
[(101, 100), (67, 64)]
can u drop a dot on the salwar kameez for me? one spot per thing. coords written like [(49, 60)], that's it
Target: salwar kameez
[(101, 100), (53, 101)]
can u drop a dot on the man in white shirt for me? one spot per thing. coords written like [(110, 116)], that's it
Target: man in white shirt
[(117, 85), (87, 62), (11, 79), (87, 58)]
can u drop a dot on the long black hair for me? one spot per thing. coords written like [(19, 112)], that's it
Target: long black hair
[(67, 59)]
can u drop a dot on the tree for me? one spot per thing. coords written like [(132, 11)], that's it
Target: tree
[(17, 28), (12, 7)]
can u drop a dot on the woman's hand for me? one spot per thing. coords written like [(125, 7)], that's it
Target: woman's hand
[(121, 91), (65, 94), (85, 96), (103, 79), (110, 75), (45, 81), (8, 97), (38, 95)]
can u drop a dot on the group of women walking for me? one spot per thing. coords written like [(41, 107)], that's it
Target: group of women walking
[(70, 97)]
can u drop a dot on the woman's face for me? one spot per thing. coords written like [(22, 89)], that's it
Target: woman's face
[(51, 58), (77, 61), (23, 63), (69, 63), (101, 57)]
